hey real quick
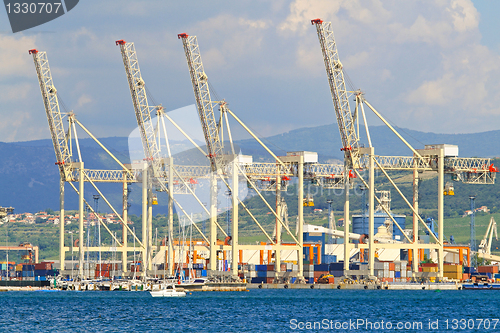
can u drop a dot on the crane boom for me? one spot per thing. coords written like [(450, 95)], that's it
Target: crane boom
[(338, 90), (142, 109), (54, 117), (204, 103)]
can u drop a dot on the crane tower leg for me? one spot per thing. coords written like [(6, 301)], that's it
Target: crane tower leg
[(144, 217), (150, 229), (80, 219), (347, 250), (124, 227), (62, 253), (300, 253), (279, 209), (170, 260), (371, 221), (213, 220), (440, 211), (234, 227), (415, 223)]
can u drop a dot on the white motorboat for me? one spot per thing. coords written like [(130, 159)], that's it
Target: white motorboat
[(168, 291)]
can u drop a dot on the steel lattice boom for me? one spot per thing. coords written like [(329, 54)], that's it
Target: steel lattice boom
[(338, 90), (142, 109), (54, 117), (204, 103)]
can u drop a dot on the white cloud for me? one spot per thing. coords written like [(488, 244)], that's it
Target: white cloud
[(14, 58), (16, 92), (84, 99), (465, 16), (303, 11), (357, 60)]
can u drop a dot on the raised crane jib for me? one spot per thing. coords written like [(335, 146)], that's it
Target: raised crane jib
[(141, 107), (54, 117), (339, 92), (204, 103)]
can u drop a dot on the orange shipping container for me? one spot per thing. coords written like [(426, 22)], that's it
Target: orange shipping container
[(392, 266)]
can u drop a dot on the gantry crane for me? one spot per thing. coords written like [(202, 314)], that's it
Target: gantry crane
[(260, 176), (432, 158), (484, 248), (71, 171), (163, 169)]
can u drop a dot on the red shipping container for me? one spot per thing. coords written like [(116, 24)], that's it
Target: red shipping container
[(317, 274), (487, 269), (270, 280), (43, 266), (331, 280), (429, 265), (270, 267)]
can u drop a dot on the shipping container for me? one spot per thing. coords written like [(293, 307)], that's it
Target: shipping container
[(261, 274), (261, 267), (317, 274), (487, 269), (337, 273), (259, 280), (321, 267)]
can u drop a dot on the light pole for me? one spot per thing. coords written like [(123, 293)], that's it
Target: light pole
[(72, 263)]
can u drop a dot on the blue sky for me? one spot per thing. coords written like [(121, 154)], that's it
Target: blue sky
[(432, 66)]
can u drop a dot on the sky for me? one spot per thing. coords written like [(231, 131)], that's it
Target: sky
[(431, 66)]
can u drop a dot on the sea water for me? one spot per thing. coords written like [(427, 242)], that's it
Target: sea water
[(253, 311)]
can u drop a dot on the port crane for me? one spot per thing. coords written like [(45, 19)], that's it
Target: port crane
[(74, 171), (356, 157), (484, 248), (259, 176), (169, 178)]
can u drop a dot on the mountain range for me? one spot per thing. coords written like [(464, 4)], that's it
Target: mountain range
[(30, 181)]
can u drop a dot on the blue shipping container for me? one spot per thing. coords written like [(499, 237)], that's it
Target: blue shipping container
[(259, 280), (203, 272), (321, 267), (261, 274), (338, 266), (337, 273), (261, 267)]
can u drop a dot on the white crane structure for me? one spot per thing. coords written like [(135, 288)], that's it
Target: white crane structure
[(484, 248), (73, 171), (171, 179), (260, 176), (356, 157)]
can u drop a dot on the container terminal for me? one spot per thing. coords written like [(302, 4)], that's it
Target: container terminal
[(374, 250)]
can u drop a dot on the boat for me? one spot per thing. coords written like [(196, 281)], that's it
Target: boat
[(168, 291)]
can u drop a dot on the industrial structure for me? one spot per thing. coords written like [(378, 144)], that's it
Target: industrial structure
[(226, 168)]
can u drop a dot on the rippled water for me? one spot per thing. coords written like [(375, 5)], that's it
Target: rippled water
[(253, 311)]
